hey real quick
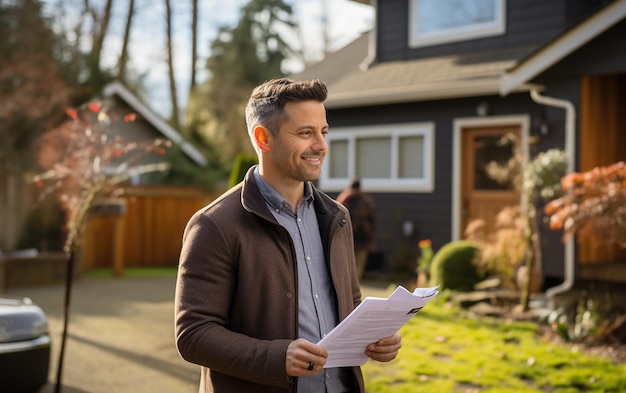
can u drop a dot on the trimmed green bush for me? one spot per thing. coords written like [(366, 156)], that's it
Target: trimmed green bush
[(453, 266), (243, 162)]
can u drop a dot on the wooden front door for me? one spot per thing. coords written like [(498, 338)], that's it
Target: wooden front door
[(482, 196)]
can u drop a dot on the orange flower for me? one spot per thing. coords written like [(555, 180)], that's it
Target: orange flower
[(424, 243)]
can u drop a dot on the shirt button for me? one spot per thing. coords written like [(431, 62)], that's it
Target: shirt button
[(289, 294)]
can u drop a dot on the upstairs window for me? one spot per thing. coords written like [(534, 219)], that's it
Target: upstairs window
[(435, 22), (390, 158)]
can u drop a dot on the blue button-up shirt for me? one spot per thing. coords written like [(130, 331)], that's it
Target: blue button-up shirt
[(317, 305)]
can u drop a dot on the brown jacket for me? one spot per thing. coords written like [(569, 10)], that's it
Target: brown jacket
[(236, 307)]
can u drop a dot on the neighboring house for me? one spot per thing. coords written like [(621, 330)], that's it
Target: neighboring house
[(148, 125), (18, 203), (148, 231), (442, 86)]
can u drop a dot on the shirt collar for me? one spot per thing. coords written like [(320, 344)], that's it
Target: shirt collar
[(274, 199)]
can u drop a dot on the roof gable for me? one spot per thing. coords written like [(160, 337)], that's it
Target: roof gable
[(118, 89), (556, 50)]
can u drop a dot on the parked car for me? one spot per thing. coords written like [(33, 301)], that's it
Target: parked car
[(24, 345)]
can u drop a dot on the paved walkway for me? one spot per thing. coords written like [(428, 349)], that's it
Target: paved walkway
[(120, 336)]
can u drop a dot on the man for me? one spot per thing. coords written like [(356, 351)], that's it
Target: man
[(268, 268), (361, 208)]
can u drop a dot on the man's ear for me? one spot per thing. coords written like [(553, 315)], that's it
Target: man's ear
[(261, 137)]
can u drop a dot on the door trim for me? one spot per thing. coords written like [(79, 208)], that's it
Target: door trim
[(522, 120)]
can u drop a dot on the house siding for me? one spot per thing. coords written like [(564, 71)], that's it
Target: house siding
[(606, 54), (528, 22)]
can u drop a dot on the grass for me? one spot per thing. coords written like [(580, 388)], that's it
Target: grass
[(444, 351)]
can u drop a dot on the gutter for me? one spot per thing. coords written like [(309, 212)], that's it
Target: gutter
[(570, 146)]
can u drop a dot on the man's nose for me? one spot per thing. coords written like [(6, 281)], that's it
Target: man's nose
[(320, 142)]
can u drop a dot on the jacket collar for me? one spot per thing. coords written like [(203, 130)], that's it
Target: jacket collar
[(253, 201)]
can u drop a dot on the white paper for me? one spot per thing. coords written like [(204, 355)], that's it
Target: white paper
[(374, 318)]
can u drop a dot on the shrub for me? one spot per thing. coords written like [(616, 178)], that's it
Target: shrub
[(593, 205), (453, 266)]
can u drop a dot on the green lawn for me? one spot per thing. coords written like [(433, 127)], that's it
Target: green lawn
[(446, 352)]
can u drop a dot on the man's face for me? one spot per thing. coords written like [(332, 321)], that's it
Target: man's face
[(298, 151)]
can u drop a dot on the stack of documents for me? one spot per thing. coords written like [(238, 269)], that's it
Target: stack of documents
[(373, 319)]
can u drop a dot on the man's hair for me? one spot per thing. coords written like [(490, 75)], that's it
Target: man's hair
[(266, 105)]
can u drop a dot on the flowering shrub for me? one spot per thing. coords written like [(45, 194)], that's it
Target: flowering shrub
[(85, 157), (593, 205)]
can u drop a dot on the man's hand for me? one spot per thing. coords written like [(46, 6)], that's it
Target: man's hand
[(304, 358), (385, 349)]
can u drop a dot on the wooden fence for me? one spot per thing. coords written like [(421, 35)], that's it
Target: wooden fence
[(148, 233)]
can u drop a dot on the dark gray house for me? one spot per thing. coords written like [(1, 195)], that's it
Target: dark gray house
[(425, 99)]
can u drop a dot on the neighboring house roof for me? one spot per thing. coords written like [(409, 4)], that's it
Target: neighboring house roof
[(337, 64), (117, 88), (450, 76), (562, 46)]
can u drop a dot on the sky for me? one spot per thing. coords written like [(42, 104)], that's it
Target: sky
[(346, 20)]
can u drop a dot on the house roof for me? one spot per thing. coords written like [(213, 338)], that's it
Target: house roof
[(516, 76), (337, 64), (450, 76), (118, 89)]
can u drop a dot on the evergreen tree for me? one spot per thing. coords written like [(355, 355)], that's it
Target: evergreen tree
[(241, 57)]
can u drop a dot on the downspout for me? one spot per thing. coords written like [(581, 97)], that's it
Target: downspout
[(570, 146), (372, 41)]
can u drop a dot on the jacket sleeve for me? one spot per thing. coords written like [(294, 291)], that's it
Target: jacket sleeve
[(205, 286)]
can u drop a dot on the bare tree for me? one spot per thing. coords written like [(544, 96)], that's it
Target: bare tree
[(122, 64), (170, 66), (194, 45), (100, 33)]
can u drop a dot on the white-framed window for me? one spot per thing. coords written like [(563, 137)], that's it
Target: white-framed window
[(387, 157), (434, 22)]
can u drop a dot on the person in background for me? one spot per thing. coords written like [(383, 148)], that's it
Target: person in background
[(361, 208), (267, 269)]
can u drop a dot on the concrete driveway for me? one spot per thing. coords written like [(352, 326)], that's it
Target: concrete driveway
[(121, 336)]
